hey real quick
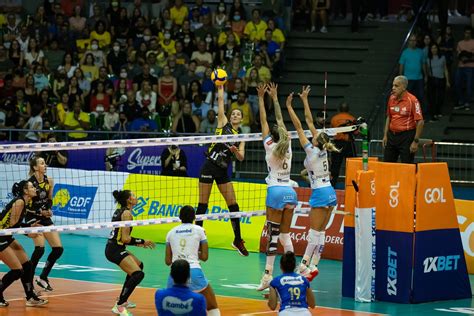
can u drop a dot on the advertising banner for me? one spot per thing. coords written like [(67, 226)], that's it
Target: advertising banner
[(465, 213), (300, 226), (438, 256)]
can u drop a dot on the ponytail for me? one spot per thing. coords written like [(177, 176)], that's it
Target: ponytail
[(121, 197), (18, 188), (329, 146), (281, 148), (325, 143)]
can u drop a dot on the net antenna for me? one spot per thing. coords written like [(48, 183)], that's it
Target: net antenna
[(325, 99)]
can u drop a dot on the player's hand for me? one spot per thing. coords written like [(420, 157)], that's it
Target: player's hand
[(384, 141), (46, 213), (233, 149), (148, 244), (289, 99), (261, 89), (272, 89), (413, 147), (304, 92)]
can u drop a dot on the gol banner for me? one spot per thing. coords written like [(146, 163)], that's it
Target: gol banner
[(465, 212), (300, 226)]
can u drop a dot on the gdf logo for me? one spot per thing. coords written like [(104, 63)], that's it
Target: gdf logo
[(434, 195), (394, 195)]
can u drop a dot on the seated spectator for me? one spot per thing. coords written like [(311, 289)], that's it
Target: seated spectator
[(57, 158), (235, 69), (108, 84), (264, 73), (151, 60), (131, 67), (207, 28), (220, 16), (120, 92), (277, 35), (15, 54), (99, 56), (145, 75), (146, 97), (33, 54), (199, 108), (254, 27), (131, 108), (11, 30), (195, 19), (24, 38), (209, 124), (211, 99), (168, 44), (48, 107), (77, 22), (19, 79), (174, 162), (238, 7), (89, 68), (167, 90), (138, 6), (30, 90), (77, 120), (202, 57), (193, 89), (222, 39), (116, 59), (238, 24), (97, 16), (62, 108), (251, 84), (68, 64), (189, 77), (185, 121), (35, 123), (59, 83), (84, 83), (12, 121), (123, 125), (166, 17), (178, 13), (41, 81), (228, 51), (243, 106), (273, 9), (111, 118), (181, 57), (75, 92), (53, 56), (185, 32), (207, 84), (272, 50), (22, 105), (211, 45), (144, 123), (100, 100), (201, 8), (120, 30), (234, 89)]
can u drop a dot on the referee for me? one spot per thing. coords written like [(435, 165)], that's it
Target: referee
[(404, 124)]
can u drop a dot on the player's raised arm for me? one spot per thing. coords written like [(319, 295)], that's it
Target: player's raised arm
[(307, 110), (221, 117), (273, 92), (261, 90), (296, 121)]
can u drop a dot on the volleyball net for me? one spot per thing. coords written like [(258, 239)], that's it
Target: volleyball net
[(82, 192)]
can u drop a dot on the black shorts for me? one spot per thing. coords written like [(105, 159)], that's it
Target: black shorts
[(211, 172), (115, 253), (5, 242), (31, 218)]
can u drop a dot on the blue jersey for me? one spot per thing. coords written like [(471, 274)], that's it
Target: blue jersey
[(291, 288), (179, 300)]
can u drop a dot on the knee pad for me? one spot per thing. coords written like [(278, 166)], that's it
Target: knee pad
[(201, 209), (138, 276), (234, 208), (27, 267), (16, 274), (285, 240), (39, 251), (56, 252), (273, 230)]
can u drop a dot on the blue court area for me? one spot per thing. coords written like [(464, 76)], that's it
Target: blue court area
[(230, 275)]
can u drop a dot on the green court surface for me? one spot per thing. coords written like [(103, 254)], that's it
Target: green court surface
[(229, 274)]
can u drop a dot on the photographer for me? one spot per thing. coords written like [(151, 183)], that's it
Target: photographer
[(343, 141), (174, 162), (55, 159)]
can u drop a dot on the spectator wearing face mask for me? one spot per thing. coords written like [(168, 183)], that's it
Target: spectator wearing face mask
[(168, 44), (220, 16), (99, 56), (238, 24), (115, 59)]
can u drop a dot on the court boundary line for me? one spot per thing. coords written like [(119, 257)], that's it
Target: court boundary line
[(67, 294)]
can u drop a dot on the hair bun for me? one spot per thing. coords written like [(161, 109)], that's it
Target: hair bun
[(116, 194)]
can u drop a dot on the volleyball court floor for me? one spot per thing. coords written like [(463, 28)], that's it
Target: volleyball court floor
[(86, 283)]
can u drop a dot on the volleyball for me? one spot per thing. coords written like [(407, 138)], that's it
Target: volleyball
[(219, 77)]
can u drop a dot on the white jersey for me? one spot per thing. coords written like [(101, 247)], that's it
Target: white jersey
[(278, 170), (184, 241), (317, 165)]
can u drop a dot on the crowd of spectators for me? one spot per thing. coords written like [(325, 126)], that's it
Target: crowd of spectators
[(134, 66)]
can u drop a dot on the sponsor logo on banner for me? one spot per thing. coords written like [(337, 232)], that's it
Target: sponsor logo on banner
[(6, 200), (466, 228), (434, 195), (140, 162), (72, 200), (440, 263), (394, 195), (391, 272), (17, 158)]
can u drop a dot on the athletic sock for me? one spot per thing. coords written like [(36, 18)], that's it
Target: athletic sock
[(130, 285), (235, 222), (55, 254)]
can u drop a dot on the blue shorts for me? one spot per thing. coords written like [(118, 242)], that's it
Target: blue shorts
[(322, 197), (278, 197), (197, 283)]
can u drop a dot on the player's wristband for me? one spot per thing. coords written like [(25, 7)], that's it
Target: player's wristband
[(136, 241)]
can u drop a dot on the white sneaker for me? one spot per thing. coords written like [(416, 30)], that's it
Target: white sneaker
[(36, 301), (323, 30), (121, 310), (303, 270), (456, 13), (313, 272), (313, 29), (265, 282)]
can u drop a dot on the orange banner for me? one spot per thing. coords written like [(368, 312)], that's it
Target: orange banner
[(465, 212), (395, 192), (434, 202)]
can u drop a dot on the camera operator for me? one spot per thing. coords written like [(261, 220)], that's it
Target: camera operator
[(174, 162), (56, 159)]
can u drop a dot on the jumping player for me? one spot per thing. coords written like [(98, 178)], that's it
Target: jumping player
[(40, 211), (11, 252), (281, 197), (189, 242), (323, 196), (116, 251), (219, 156), (292, 289)]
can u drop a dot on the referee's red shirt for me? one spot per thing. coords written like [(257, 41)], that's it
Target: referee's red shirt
[(404, 112)]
